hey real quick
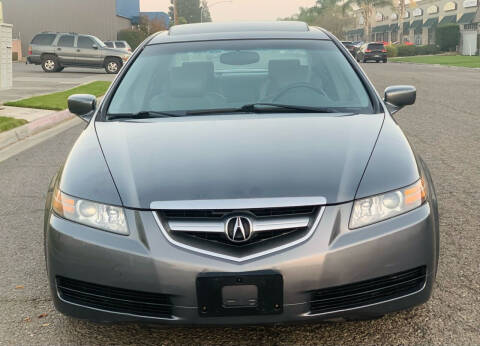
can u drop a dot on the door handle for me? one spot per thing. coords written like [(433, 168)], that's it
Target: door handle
[(59, 48), (78, 50)]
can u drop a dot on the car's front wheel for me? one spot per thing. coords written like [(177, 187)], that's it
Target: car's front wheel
[(112, 65), (50, 64)]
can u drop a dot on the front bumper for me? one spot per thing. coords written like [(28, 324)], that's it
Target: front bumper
[(333, 256)]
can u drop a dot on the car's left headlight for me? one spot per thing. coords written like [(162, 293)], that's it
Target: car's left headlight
[(381, 207), (105, 217)]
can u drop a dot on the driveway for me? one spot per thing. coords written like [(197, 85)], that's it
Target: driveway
[(30, 80), (444, 126)]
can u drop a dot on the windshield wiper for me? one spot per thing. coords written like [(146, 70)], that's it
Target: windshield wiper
[(301, 109), (145, 115), (255, 108)]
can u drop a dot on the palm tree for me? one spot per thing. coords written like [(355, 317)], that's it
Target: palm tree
[(367, 9)]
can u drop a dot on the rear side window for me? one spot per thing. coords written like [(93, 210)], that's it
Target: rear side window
[(109, 44), (120, 44), (66, 41), (44, 39), (376, 46), (85, 42)]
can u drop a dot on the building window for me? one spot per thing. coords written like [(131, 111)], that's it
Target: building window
[(394, 36), (431, 35), (418, 36), (470, 27)]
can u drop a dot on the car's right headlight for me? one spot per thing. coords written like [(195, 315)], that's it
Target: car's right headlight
[(381, 207), (105, 217)]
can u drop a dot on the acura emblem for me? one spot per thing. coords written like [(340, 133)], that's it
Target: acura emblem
[(238, 229)]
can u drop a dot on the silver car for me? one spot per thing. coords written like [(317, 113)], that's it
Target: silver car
[(241, 174), (123, 45), (55, 51)]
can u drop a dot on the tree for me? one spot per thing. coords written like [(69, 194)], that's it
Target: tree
[(149, 25), (400, 7), (189, 9), (367, 8), (206, 16)]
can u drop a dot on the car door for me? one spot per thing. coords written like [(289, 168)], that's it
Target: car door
[(88, 53), (65, 49)]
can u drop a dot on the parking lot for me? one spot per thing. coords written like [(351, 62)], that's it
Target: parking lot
[(444, 127), (30, 80)]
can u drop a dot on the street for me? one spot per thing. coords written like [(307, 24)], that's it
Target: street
[(30, 80), (444, 127)]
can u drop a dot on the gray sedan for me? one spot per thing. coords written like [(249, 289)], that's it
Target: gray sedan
[(241, 174)]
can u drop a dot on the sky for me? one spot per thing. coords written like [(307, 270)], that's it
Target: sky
[(240, 10)]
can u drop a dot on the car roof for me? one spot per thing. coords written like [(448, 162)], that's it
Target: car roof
[(242, 30)]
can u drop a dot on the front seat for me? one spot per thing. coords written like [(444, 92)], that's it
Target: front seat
[(282, 73), (188, 89)]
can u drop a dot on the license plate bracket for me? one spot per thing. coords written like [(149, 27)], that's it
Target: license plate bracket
[(216, 290)]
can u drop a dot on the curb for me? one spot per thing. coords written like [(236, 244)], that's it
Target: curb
[(19, 133)]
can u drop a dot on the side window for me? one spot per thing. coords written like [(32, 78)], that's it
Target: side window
[(66, 41), (120, 44), (44, 39), (109, 44), (85, 42)]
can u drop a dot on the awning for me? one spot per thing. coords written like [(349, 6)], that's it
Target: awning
[(406, 28), (467, 18), (381, 28), (431, 22), (394, 27), (448, 20), (416, 24)]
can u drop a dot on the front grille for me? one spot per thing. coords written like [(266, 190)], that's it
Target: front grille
[(256, 238), (114, 299), (268, 224), (368, 292), (221, 213)]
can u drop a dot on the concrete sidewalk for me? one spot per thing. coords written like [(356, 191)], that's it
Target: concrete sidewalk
[(38, 120)]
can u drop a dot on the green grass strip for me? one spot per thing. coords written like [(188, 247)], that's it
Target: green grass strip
[(449, 60), (10, 123), (58, 100)]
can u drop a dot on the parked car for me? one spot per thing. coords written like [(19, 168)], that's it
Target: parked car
[(350, 46), (123, 45), (225, 180), (374, 51), (54, 51)]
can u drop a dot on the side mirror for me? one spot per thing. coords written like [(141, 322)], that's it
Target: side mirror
[(94, 46), (399, 96), (82, 105)]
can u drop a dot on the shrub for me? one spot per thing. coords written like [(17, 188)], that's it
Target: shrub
[(14, 56), (392, 51), (427, 50), (448, 37), (133, 37), (404, 50)]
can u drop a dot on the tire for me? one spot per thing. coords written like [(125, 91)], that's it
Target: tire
[(50, 63), (364, 60), (113, 65), (377, 61), (60, 69), (385, 61)]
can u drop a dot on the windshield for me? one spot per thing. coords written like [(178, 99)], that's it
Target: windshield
[(219, 75)]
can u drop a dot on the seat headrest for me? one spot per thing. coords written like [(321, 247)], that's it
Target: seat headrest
[(286, 70), (191, 79)]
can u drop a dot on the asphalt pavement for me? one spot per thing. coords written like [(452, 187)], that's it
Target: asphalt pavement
[(30, 80), (444, 127)]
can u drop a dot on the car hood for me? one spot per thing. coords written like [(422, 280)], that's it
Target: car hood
[(238, 156)]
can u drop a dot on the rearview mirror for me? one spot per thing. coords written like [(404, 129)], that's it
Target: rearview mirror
[(399, 96), (82, 105)]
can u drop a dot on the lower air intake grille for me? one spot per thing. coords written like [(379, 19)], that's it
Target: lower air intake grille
[(367, 292), (114, 299)]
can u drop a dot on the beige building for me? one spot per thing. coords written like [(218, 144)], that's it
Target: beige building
[(419, 23)]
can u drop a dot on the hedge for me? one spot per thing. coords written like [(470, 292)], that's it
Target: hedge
[(133, 37), (448, 37), (404, 50)]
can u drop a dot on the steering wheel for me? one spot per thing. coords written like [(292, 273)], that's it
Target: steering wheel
[(298, 85)]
